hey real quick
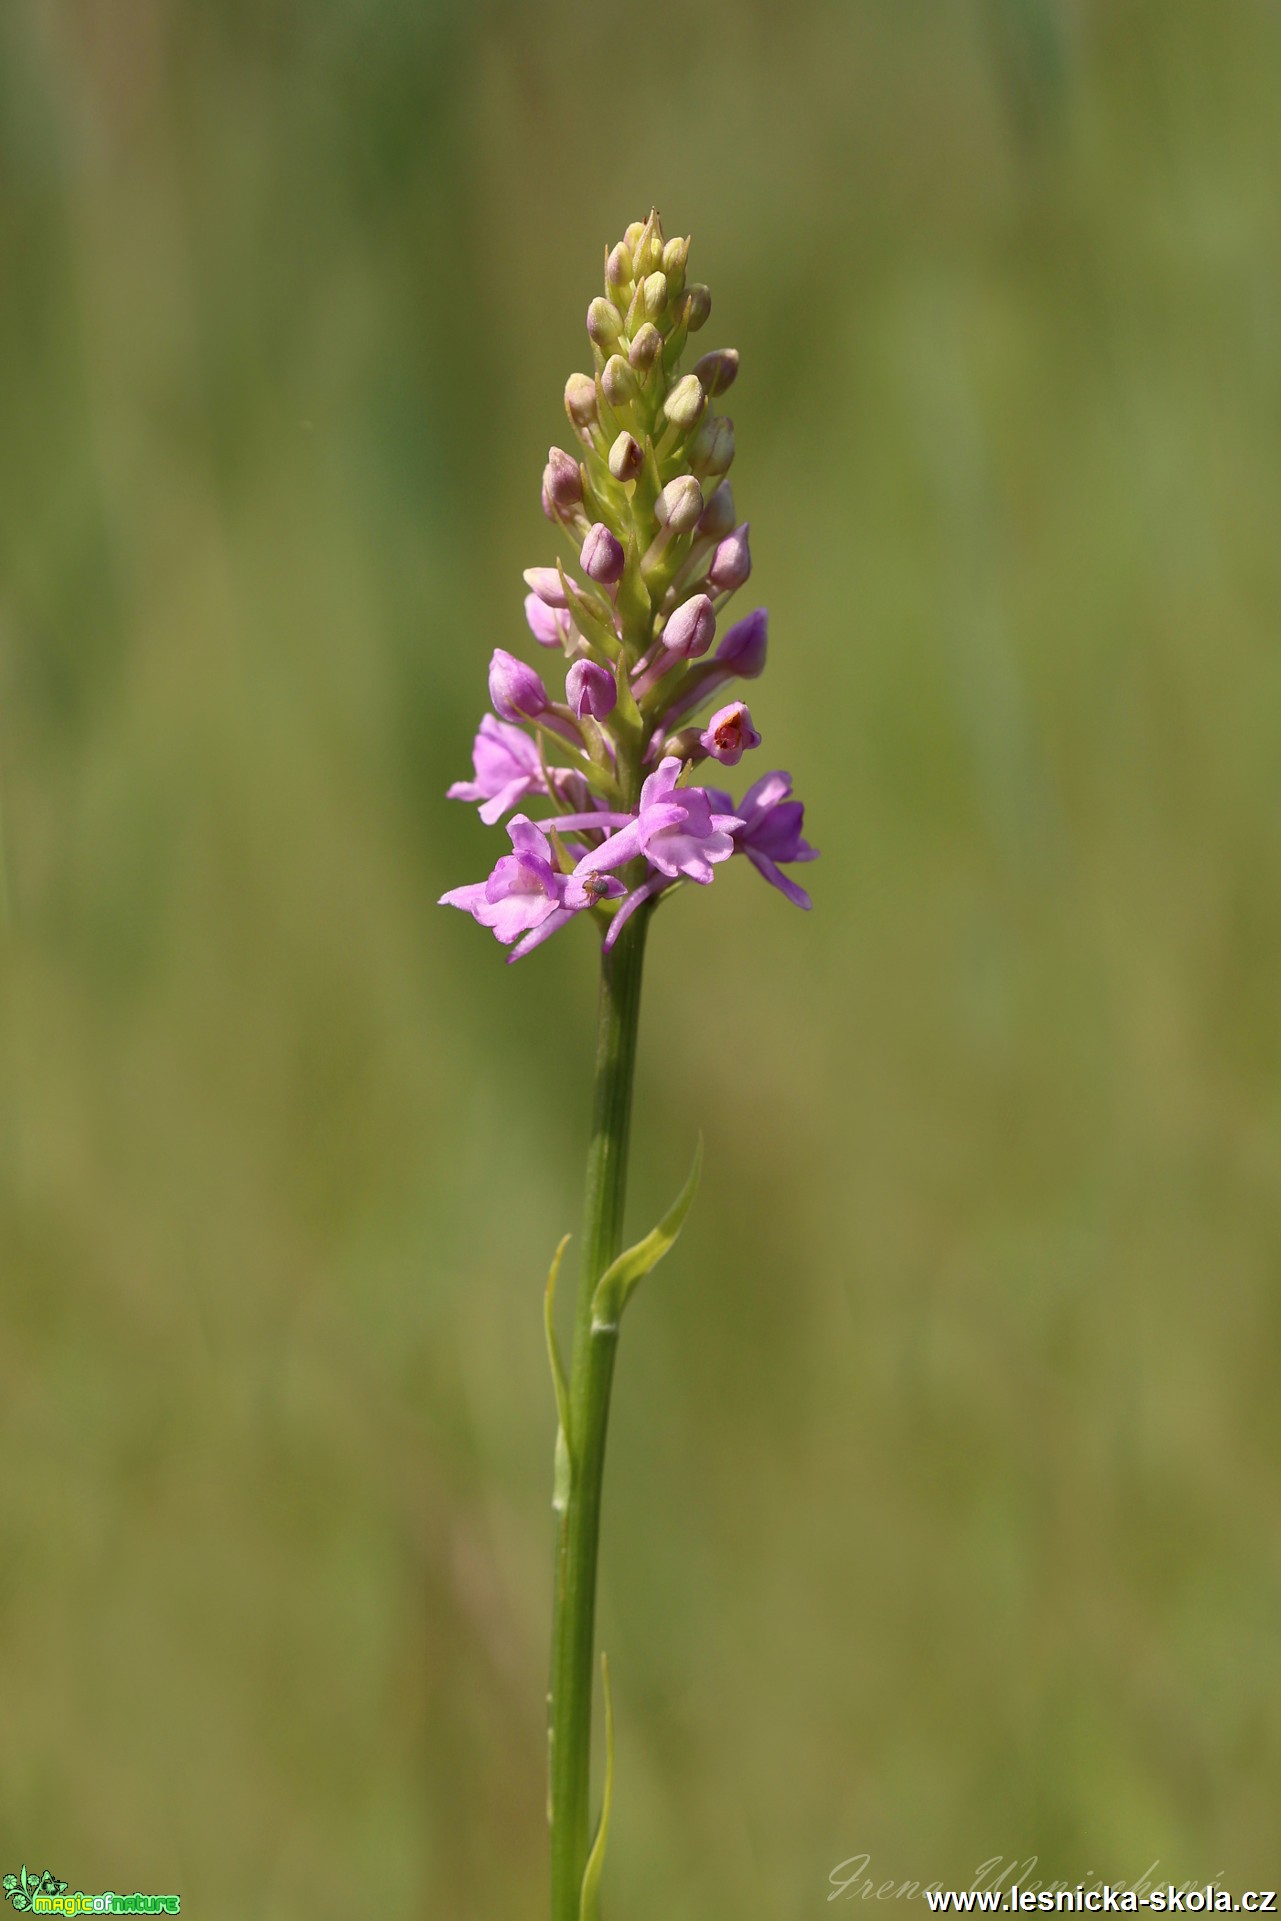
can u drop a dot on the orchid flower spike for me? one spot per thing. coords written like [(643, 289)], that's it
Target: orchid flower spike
[(655, 554)]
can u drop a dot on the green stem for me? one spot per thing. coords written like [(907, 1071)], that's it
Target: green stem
[(591, 1376)]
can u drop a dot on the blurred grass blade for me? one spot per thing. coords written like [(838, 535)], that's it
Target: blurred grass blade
[(589, 1907)]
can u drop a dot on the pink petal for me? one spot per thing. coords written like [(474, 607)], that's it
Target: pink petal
[(617, 850), (558, 918), (628, 908), (468, 898), (776, 878), (506, 797)]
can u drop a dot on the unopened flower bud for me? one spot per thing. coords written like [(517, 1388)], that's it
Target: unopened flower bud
[(548, 627), (647, 249), (691, 629), (675, 254), (563, 480), (652, 296), (618, 268), (618, 382), (719, 370), (698, 306), (626, 457), (732, 561), (604, 324), (712, 449), (729, 734), (590, 690), (742, 650), (686, 744), (515, 689), (680, 504), (580, 400), (645, 347), (685, 403), (718, 517), (546, 582), (603, 558), (631, 239)]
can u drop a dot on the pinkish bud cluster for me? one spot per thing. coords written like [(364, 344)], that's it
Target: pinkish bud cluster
[(658, 551)]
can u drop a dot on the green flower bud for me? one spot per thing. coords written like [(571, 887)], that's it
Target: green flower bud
[(647, 253), (645, 348), (685, 403), (718, 371), (712, 448), (698, 306), (631, 239), (687, 744), (580, 401), (652, 296), (618, 269), (679, 505), (604, 324), (626, 459), (618, 382), (675, 254)]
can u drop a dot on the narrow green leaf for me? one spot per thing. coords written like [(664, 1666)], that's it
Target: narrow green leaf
[(589, 1905), (590, 614), (564, 1457), (614, 1289)]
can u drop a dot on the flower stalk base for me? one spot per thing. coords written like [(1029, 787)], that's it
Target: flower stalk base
[(590, 1381)]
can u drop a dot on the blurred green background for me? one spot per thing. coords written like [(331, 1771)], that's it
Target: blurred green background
[(942, 1516)]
